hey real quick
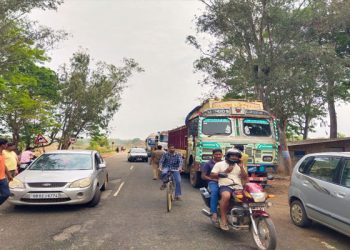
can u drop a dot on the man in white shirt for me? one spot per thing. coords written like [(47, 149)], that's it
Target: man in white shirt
[(234, 168)]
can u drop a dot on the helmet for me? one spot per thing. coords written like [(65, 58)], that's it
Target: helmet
[(230, 153)]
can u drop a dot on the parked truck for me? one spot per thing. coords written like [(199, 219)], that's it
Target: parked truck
[(224, 124)]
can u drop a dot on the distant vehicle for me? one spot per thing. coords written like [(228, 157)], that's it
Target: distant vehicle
[(61, 177), (137, 154), (224, 124), (320, 191), (150, 142), (162, 139)]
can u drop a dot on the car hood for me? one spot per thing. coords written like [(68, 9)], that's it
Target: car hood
[(138, 154), (29, 176)]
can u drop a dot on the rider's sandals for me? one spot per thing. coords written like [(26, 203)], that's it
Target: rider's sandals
[(224, 226)]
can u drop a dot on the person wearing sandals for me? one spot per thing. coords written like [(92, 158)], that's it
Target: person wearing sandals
[(235, 171), (212, 183)]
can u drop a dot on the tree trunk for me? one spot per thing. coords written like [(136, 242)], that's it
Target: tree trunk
[(287, 163), (306, 127), (333, 133)]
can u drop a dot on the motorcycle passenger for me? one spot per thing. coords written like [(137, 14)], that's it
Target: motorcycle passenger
[(233, 167), (212, 183)]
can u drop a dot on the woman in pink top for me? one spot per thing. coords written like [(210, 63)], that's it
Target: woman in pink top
[(27, 156)]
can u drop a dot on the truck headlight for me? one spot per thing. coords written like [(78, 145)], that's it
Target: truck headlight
[(82, 183), (259, 197), (15, 183), (267, 158)]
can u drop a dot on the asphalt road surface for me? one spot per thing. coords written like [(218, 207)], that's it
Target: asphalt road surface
[(132, 215)]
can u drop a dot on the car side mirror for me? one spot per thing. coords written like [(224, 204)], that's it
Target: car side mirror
[(102, 165)]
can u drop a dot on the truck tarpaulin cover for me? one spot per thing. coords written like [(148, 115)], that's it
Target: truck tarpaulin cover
[(178, 138)]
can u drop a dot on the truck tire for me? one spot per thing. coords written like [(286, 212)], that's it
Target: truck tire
[(195, 178)]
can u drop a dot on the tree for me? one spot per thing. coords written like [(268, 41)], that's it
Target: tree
[(90, 97), (331, 32), (29, 91), (259, 51)]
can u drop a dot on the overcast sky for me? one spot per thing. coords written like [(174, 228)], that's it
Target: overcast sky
[(153, 32)]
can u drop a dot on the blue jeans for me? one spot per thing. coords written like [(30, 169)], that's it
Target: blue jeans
[(177, 178), (4, 190), (214, 196)]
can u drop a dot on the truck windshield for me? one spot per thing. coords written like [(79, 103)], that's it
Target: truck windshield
[(163, 138), (256, 127), (217, 126)]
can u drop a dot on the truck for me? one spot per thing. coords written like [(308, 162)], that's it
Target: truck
[(224, 124), (155, 139)]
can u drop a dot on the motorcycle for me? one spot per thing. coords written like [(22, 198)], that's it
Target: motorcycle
[(247, 211)]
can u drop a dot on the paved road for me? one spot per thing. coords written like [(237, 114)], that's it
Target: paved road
[(136, 218)]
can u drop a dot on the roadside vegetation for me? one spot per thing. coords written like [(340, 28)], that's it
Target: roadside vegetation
[(78, 99), (292, 55)]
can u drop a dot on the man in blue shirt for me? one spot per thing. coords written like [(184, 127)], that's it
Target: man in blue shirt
[(171, 161), (212, 183)]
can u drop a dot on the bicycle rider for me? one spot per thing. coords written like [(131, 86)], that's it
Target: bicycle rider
[(171, 161)]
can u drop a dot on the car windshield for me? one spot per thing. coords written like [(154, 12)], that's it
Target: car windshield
[(57, 162), (217, 126), (138, 150), (257, 127)]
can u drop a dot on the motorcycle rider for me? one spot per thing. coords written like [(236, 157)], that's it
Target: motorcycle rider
[(233, 167), (212, 183)]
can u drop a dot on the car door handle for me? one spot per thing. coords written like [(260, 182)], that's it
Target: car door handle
[(341, 195)]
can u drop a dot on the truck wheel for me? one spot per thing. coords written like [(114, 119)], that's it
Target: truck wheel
[(195, 178)]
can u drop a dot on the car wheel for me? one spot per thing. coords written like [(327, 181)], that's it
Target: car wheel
[(105, 184), (298, 214), (96, 199)]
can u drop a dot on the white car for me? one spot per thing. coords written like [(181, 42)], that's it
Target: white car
[(61, 177), (137, 154)]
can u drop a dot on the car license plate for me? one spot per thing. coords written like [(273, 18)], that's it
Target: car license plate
[(139, 159), (44, 196)]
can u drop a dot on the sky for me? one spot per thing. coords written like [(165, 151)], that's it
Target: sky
[(153, 32)]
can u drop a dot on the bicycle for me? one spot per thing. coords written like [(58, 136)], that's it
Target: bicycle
[(170, 190)]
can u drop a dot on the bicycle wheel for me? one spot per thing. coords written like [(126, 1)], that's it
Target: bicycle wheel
[(169, 199), (173, 186)]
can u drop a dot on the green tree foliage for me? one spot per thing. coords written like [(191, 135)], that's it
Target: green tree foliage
[(90, 96), (28, 91), (267, 50)]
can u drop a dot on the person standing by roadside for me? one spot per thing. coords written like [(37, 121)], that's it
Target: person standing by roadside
[(171, 161), (156, 155), (4, 185), (11, 159), (212, 183), (27, 156)]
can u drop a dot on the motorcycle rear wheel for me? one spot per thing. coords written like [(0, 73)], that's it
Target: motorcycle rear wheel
[(266, 238)]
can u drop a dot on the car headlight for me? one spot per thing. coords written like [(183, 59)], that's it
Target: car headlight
[(15, 183), (259, 197), (82, 183)]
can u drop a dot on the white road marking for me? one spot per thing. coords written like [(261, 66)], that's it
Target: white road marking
[(132, 167), (328, 246), (120, 187)]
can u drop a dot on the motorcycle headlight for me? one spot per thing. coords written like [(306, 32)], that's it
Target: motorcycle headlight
[(82, 183), (15, 183), (259, 197)]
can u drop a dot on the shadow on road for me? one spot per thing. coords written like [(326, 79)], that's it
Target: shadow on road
[(48, 209)]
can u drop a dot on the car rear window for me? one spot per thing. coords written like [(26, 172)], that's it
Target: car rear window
[(345, 176)]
